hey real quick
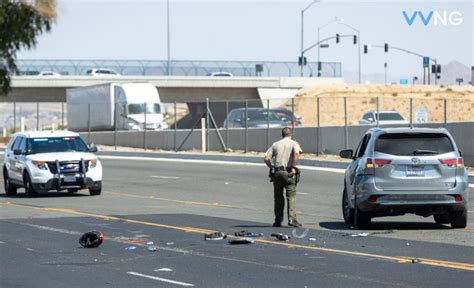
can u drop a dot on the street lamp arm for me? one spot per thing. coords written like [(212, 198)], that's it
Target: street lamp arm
[(309, 5), (349, 26), (406, 51)]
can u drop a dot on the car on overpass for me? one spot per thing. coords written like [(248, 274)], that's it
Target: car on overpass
[(401, 170), (102, 72), (384, 117), (256, 118), (41, 161), (221, 74)]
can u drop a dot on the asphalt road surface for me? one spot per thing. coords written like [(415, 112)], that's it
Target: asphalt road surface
[(173, 204)]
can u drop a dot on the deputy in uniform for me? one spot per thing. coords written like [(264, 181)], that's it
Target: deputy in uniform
[(281, 158)]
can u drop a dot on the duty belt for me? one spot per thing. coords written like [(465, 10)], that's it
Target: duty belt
[(280, 168)]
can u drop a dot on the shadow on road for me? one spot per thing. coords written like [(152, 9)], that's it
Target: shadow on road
[(46, 195), (340, 225)]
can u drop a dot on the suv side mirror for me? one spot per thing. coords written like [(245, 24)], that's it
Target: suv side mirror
[(370, 119), (346, 154), (93, 149), (18, 152)]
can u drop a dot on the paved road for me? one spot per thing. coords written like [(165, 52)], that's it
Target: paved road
[(173, 204)]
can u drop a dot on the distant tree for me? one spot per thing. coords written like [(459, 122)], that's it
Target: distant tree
[(21, 22)]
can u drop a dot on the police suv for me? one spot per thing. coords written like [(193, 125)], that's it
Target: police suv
[(41, 161)]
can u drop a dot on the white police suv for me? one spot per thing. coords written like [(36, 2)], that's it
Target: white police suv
[(41, 161)]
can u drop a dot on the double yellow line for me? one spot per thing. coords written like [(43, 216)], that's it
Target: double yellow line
[(397, 259)]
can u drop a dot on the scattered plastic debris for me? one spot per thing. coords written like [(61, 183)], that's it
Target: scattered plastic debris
[(362, 234), (304, 234), (248, 234), (226, 183), (281, 237), (415, 260), (149, 243), (215, 236), (92, 239), (152, 248), (408, 244), (312, 239), (131, 248), (169, 243), (245, 240), (164, 270)]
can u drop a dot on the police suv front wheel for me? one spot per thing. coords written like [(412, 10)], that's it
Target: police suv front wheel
[(29, 189), (97, 189), (10, 190)]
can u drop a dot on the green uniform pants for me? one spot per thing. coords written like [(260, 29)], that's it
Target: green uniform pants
[(282, 181)]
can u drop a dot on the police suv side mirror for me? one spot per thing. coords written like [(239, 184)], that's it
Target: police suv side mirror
[(346, 154), (18, 152), (93, 149)]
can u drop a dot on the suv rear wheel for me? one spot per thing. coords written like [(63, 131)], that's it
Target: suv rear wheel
[(347, 211), (442, 218), (29, 190), (361, 219), (459, 219), (10, 189)]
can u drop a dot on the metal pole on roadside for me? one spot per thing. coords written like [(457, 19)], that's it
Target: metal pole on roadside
[(378, 110), (62, 116), (115, 125), (14, 117), (293, 115), (346, 130), (318, 142), (37, 117), (88, 124), (268, 124), (246, 126), (168, 36), (445, 113), (227, 124), (411, 113), (207, 125), (144, 126), (175, 127)]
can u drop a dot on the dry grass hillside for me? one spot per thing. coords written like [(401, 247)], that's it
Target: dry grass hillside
[(362, 98)]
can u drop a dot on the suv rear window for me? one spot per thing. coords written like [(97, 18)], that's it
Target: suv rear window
[(409, 144), (390, 116)]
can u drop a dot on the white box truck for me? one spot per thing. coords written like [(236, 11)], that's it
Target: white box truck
[(129, 106)]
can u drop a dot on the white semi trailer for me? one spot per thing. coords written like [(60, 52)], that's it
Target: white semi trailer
[(129, 106)]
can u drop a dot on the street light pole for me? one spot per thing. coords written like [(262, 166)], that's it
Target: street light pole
[(358, 36), (336, 19), (168, 35), (302, 33)]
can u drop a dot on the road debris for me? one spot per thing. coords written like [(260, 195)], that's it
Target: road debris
[(245, 240), (164, 270), (281, 237), (304, 234), (215, 236), (248, 234), (362, 234), (131, 248), (312, 239), (92, 239), (415, 260), (169, 243)]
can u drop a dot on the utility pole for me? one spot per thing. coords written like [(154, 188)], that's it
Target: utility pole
[(168, 35), (302, 33), (385, 65)]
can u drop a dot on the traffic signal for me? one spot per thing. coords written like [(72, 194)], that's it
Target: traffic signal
[(355, 39), (436, 69), (319, 66), (337, 38), (304, 62), (385, 47), (366, 49)]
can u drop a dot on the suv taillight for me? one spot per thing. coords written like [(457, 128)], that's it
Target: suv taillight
[(459, 162), (376, 163)]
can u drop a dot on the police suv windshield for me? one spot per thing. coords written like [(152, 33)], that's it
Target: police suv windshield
[(56, 144)]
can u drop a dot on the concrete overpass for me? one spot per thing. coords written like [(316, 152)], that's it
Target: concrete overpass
[(171, 88)]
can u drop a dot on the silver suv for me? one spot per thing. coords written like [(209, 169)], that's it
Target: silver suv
[(401, 170)]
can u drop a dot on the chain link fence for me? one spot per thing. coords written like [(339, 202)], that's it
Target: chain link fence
[(179, 67)]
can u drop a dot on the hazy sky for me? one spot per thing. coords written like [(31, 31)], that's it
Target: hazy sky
[(255, 30)]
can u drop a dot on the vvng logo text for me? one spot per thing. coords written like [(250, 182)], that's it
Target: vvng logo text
[(436, 18)]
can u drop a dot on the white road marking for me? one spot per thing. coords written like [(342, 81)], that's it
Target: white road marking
[(164, 177), (64, 231), (301, 193), (161, 279)]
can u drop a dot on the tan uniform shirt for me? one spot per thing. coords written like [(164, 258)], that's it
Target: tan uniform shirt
[(281, 152)]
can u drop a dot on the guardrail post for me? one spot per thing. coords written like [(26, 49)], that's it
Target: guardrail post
[(445, 113), (175, 127), (207, 125), (346, 132), (318, 142), (62, 116), (115, 125), (37, 117), (144, 126), (203, 135), (227, 124), (411, 113), (14, 117), (88, 124), (293, 115), (378, 110), (246, 126)]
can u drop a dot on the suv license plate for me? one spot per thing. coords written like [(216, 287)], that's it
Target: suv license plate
[(415, 171), (69, 178)]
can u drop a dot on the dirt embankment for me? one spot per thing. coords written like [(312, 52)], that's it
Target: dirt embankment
[(362, 98)]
